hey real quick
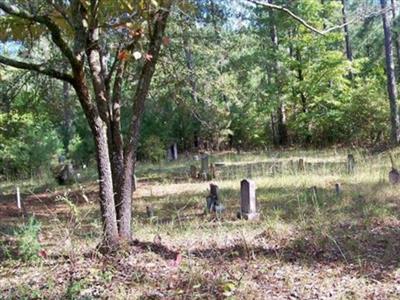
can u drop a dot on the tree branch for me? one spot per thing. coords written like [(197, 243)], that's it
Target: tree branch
[(37, 68), (310, 27), (55, 31)]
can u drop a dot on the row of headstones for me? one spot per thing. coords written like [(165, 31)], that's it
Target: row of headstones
[(208, 171), (248, 201)]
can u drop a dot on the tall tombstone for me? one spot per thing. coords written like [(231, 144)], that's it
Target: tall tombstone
[(350, 163), (134, 182), (337, 190), (204, 164), (213, 200), (212, 173), (174, 151), (248, 205), (301, 165), (193, 172)]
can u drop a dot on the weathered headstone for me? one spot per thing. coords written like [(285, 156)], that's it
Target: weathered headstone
[(350, 163), (149, 211), (394, 175), (134, 182), (65, 174), (213, 200), (248, 206), (193, 172), (204, 166), (212, 171), (301, 165), (19, 206), (174, 150), (314, 193), (337, 190)]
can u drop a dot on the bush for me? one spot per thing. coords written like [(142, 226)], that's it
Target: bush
[(27, 144), (152, 149), (28, 242)]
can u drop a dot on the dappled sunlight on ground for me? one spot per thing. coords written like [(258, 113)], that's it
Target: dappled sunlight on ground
[(307, 245)]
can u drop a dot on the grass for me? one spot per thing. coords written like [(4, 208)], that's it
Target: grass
[(307, 245)]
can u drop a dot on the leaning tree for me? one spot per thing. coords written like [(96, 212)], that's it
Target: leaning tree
[(97, 42)]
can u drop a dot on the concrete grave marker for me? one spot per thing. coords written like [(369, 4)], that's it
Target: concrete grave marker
[(337, 190), (193, 172), (134, 183), (213, 200), (248, 206), (174, 150), (394, 175), (350, 163), (301, 165)]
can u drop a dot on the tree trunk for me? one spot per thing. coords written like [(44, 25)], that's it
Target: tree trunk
[(349, 52), (281, 113), (396, 37), (142, 90), (99, 131), (67, 117), (391, 78)]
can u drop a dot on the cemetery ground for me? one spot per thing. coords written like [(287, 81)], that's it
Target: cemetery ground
[(312, 241)]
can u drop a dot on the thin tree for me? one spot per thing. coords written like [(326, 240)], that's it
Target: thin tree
[(79, 29), (390, 74)]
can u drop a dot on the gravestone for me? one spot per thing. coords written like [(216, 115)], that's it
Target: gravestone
[(212, 171), (301, 165), (204, 167), (350, 163), (248, 206), (174, 151), (134, 182), (314, 193), (193, 172), (65, 174), (394, 175), (149, 211), (337, 189), (213, 200)]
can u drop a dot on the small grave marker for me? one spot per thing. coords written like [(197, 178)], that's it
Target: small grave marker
[(134, 182), (19, 206), (174, 150), (337, 190), (193, 172), (213, 200), (301, 165), (248, 206), (394, 175), (350, 163)]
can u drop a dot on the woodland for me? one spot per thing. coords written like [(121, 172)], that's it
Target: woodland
[(199, 149)]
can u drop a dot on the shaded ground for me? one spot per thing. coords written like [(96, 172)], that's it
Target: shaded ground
[(306, 246)]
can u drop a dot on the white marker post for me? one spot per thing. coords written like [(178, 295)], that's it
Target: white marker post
[(18, 199)]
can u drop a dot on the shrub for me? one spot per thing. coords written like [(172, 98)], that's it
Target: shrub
[(28, 242), (152, 149)]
